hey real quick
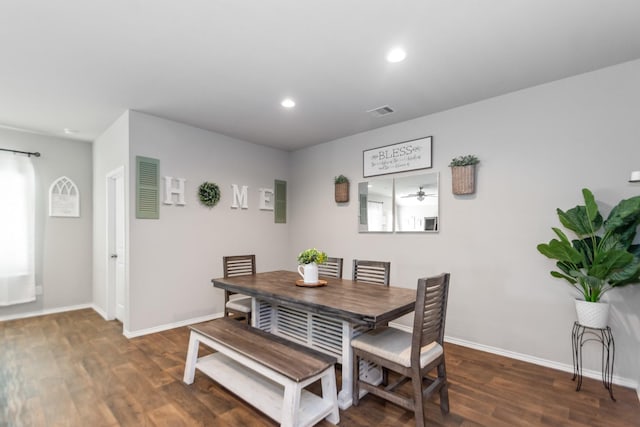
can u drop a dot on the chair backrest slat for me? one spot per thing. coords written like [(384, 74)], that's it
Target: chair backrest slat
[(376, 272), (332, 267), (239, 265), (430, 313)]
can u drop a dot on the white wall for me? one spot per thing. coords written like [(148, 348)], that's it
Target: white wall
[(63, 245), (110, 151), (538, 148), (173, 259)]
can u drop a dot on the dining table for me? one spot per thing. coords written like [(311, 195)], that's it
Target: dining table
[(324, 316)]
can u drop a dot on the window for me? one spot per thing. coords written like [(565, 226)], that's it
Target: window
[(17, 217)]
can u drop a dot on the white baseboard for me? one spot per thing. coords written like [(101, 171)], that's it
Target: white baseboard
[(166, 327), (45, 312), (100, 311), (588, 373)]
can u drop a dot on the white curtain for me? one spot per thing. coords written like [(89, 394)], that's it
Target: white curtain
[(17, 218)]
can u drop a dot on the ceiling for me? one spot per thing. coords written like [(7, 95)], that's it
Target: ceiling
[(225, 65)]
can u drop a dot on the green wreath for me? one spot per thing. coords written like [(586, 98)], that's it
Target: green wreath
[(209, 194)]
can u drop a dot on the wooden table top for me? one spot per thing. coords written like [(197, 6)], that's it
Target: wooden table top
[(360, 303)]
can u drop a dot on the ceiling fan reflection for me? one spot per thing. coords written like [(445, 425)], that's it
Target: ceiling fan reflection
[(420, 195)]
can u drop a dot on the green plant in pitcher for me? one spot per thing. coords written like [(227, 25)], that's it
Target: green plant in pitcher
[(312, 255)]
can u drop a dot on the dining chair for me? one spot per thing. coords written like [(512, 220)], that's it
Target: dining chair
[(376, 272), (412, 355), (332, 267), (234, 303)]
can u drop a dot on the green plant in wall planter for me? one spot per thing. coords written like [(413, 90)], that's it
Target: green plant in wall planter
[(602, 257), (342, 189), (467, 160), (463, 174)]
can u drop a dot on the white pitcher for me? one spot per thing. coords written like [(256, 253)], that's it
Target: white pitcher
[(309, 272)]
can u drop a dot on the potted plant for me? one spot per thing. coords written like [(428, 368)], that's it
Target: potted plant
[(602, 257), (342, 189), (463, 172), (308, 261)]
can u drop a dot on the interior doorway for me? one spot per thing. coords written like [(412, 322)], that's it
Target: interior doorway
[(117, 301)]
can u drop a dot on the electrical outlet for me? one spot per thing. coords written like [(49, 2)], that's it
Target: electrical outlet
[(38, 289)]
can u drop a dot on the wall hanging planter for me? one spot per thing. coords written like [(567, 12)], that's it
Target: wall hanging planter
[(342, 189), (463, 174), (463, 179)]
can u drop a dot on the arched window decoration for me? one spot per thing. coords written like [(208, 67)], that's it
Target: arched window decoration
[(64, 198)]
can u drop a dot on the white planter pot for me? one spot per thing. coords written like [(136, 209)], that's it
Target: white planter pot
[(592, 314), (309, 272)]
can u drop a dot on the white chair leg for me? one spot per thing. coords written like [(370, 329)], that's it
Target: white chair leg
[(330, 394), (192, 358)]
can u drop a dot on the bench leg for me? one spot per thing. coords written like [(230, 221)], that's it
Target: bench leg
[(192, 358), (291, 405), (330, 394)]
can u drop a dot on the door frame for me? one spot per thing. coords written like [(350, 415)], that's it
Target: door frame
[(111, 180)]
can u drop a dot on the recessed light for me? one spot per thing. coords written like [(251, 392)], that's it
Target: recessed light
[(69, 131), (288, 103), (396, 55)]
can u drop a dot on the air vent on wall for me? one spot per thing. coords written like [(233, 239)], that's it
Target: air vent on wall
[(381, 111)]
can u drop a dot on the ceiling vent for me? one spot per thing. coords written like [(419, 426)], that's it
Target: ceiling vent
[(381, 111)]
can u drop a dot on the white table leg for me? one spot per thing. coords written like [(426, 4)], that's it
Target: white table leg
[(192, 358), (345, 397), (254, 313)]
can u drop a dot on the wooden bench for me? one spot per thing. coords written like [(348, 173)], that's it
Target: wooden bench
[(267, 371)]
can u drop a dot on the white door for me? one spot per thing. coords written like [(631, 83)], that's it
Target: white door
[(119, 248), (116, 280)]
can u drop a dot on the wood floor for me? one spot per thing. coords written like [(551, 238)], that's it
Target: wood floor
[(75, 369)]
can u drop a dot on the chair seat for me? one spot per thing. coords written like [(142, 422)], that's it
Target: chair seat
[(240, 303), (395, 345)]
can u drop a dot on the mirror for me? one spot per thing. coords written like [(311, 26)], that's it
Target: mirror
[(416, 203), (376, 206)]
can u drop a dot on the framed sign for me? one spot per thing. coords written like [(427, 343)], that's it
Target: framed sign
[(400, 157)]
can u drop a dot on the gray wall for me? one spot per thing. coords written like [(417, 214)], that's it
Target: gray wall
[(173, 259), (63, 245), (538, 148)]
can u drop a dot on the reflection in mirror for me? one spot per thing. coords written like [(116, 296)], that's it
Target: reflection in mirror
[(416, 199), (376, 206)]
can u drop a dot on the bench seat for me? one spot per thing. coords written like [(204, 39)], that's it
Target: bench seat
[(267, 371)]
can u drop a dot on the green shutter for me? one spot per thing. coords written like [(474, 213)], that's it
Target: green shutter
[(280, 207), (147, 188)]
